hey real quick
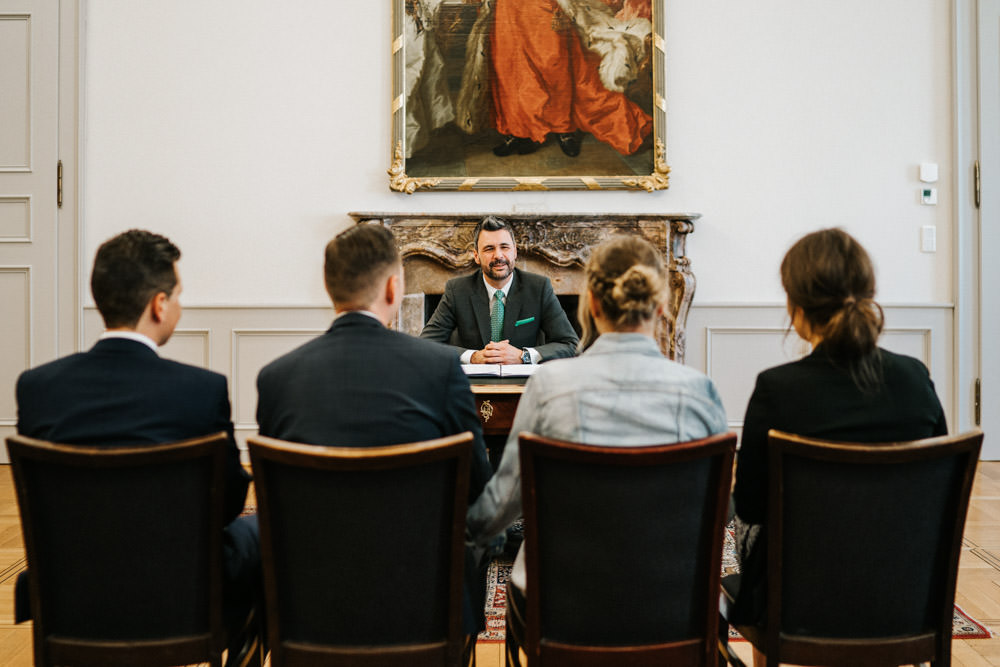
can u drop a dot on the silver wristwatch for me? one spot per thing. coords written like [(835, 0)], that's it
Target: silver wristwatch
[(525, 356)]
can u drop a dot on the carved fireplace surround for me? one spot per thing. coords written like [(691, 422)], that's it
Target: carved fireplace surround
[(437, 246)]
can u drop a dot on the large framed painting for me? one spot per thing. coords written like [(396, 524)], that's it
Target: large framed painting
[(528, 95)]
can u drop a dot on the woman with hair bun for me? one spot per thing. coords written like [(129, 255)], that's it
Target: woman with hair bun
[(847, 389), (621, 391)]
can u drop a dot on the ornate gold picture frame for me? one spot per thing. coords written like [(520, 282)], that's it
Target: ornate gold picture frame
[(511, 95)]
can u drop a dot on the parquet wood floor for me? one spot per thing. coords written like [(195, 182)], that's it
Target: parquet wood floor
[(978, 578)]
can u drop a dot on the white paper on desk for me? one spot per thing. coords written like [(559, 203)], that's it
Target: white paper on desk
[(499, 370), (517, 370), (482, 370)]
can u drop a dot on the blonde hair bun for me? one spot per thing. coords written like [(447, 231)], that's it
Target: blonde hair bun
[(628, 278), (636, 290)]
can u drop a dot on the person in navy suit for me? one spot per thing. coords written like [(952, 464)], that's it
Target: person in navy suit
[(121, 392), (363, 384), (534, 326)]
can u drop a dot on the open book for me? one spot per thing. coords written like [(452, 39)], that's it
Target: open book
[(499, 370)]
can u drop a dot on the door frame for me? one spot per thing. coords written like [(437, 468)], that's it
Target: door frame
[(966, 257), (69, 307)]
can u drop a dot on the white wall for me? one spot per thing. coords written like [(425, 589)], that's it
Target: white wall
[(245, 130)]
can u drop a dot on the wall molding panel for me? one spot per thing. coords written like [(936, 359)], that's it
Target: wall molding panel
[(15, 106), (192, 346), (732, 343), (252, 349), (15, 219), (15, 332)]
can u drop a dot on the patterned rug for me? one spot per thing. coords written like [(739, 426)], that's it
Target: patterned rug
[(963, 625)]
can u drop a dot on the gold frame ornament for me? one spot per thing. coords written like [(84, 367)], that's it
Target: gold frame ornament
[(433, 74)]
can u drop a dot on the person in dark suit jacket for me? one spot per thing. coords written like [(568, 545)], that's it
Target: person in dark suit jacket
[(847, 389), (122, 393), (535, 327), (362, 384)]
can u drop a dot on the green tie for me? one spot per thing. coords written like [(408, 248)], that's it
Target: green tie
[(496, 317)]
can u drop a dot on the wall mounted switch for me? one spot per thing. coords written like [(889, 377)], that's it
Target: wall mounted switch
[(928, 172), (928, 238)]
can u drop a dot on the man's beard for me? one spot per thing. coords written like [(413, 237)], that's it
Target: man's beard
[(498, 270)]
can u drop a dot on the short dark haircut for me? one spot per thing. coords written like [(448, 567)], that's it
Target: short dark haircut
[(129, 270), (355, 261), (492, 223)]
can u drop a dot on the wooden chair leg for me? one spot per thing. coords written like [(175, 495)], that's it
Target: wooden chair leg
[(511, 656), (469, 651), (726, 654)]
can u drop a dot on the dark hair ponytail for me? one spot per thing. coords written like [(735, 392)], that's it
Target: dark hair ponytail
[(829, 276)]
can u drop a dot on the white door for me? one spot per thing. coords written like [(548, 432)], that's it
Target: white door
[(29, 142), (989, 223)]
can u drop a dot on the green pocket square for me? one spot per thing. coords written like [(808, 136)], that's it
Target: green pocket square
[(526, 321)]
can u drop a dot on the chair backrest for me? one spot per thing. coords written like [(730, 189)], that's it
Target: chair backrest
[(124, 550), (863, 544), (363, 550), (623, 550)]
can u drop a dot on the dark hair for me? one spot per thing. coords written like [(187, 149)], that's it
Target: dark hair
[(355, 260), (129, 270), (491, 223), (830, 277), (629, 278)]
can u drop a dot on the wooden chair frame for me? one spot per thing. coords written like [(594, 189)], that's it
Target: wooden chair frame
[(695, 651), (448, 651), (935, 645), (50, 650)]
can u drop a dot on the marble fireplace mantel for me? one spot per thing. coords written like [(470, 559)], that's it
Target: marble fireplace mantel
[(437, 246)]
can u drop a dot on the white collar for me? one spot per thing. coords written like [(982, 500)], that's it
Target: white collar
[(360, 312), (132, 335), (490, 289)]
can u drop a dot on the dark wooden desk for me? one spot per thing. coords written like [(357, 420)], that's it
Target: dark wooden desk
[(496, 403)]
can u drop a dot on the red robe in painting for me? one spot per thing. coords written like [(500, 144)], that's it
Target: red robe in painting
[(545, 81)]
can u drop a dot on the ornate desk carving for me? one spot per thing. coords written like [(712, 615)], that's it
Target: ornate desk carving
[(437, 246)]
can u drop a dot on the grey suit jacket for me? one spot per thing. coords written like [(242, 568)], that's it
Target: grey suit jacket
[(462, 319)]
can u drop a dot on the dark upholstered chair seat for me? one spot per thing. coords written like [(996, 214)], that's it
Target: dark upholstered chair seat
[(623, 549), (862, 544), (363, 550), (124, 549)]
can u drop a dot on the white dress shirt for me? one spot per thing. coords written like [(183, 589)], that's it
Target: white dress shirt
[(132, 335)]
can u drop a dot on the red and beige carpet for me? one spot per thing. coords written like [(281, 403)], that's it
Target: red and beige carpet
[(963, 625)]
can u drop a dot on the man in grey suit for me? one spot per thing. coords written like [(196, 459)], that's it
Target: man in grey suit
[(501, 315)]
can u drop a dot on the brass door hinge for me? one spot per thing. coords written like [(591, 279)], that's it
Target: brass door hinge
[(979, 191), (978, 406), (59, 185)]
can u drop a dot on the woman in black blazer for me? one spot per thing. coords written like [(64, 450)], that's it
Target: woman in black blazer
[(847, 389)]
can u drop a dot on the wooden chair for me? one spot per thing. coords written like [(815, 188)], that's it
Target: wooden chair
[(124, 550), (623, 551), (863, 543), (363, 550)]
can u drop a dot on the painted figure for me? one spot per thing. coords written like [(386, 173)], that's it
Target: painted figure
[(536, 68)]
